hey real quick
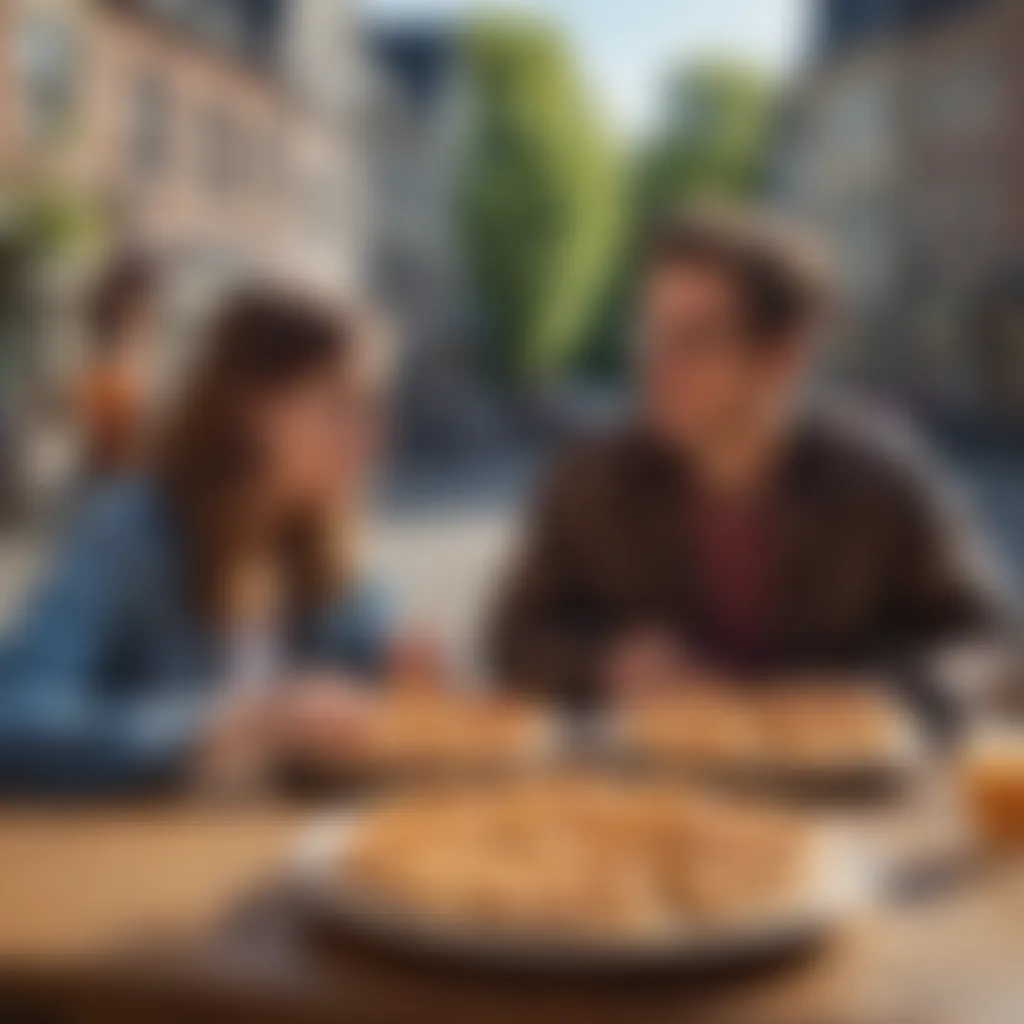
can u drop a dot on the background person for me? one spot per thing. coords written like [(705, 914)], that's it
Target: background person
[(734, 530), (217, 598), (114, 394)]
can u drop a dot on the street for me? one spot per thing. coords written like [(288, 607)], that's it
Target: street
[(440, 540)]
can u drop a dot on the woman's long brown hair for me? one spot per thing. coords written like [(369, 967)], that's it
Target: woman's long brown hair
[(261, 343)]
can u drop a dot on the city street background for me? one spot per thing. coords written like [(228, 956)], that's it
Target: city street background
[(481, 176), (445, 540)]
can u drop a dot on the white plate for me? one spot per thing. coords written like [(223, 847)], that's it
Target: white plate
[(833, 889)]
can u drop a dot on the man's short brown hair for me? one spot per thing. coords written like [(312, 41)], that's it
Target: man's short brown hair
[(783, 282)]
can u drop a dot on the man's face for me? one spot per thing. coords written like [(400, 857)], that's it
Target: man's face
[(701, 373)]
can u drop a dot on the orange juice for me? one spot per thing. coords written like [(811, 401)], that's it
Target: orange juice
[(992, 777)]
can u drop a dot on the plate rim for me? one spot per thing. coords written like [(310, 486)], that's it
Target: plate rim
[(831, 896)]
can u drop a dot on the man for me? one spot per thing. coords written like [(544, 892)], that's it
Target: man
[(731, 531)]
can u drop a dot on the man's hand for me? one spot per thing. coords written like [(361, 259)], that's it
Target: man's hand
[(642, 664)]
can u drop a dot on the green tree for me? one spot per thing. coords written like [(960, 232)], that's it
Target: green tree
[(41, 225), (542, 203), (711, 142)]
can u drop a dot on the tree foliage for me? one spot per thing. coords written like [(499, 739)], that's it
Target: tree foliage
[(41, 225), (713, 137), (542, 203), (711, 142)]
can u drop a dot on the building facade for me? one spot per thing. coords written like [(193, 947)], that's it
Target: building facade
[(190, 125), (219, 136), (416, 145), (906, 150)]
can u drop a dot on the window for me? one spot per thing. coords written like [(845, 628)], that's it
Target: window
[(219, 151), (963, 101), (170, 8), (46, 62), (149, 127), (861, 114), (270, 171)]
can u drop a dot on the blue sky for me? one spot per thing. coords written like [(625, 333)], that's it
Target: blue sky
[(626, 44)]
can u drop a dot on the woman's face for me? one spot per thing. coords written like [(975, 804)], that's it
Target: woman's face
[(319, 439)]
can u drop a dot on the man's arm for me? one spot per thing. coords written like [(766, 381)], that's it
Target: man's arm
[(548, 624), (950, 613)]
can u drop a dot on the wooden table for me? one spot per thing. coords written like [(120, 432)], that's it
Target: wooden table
[(78, 881), (167, 914)]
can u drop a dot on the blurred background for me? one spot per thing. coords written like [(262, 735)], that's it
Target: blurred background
[(481, 177)]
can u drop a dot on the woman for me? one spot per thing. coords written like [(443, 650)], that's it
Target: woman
[(228, 568)]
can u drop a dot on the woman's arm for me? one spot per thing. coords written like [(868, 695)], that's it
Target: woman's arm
[(355, 635), (59, 733)]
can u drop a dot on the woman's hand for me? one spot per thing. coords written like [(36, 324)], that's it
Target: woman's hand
[(313, 719), (417, 662), (306, 722), (233, 749)]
